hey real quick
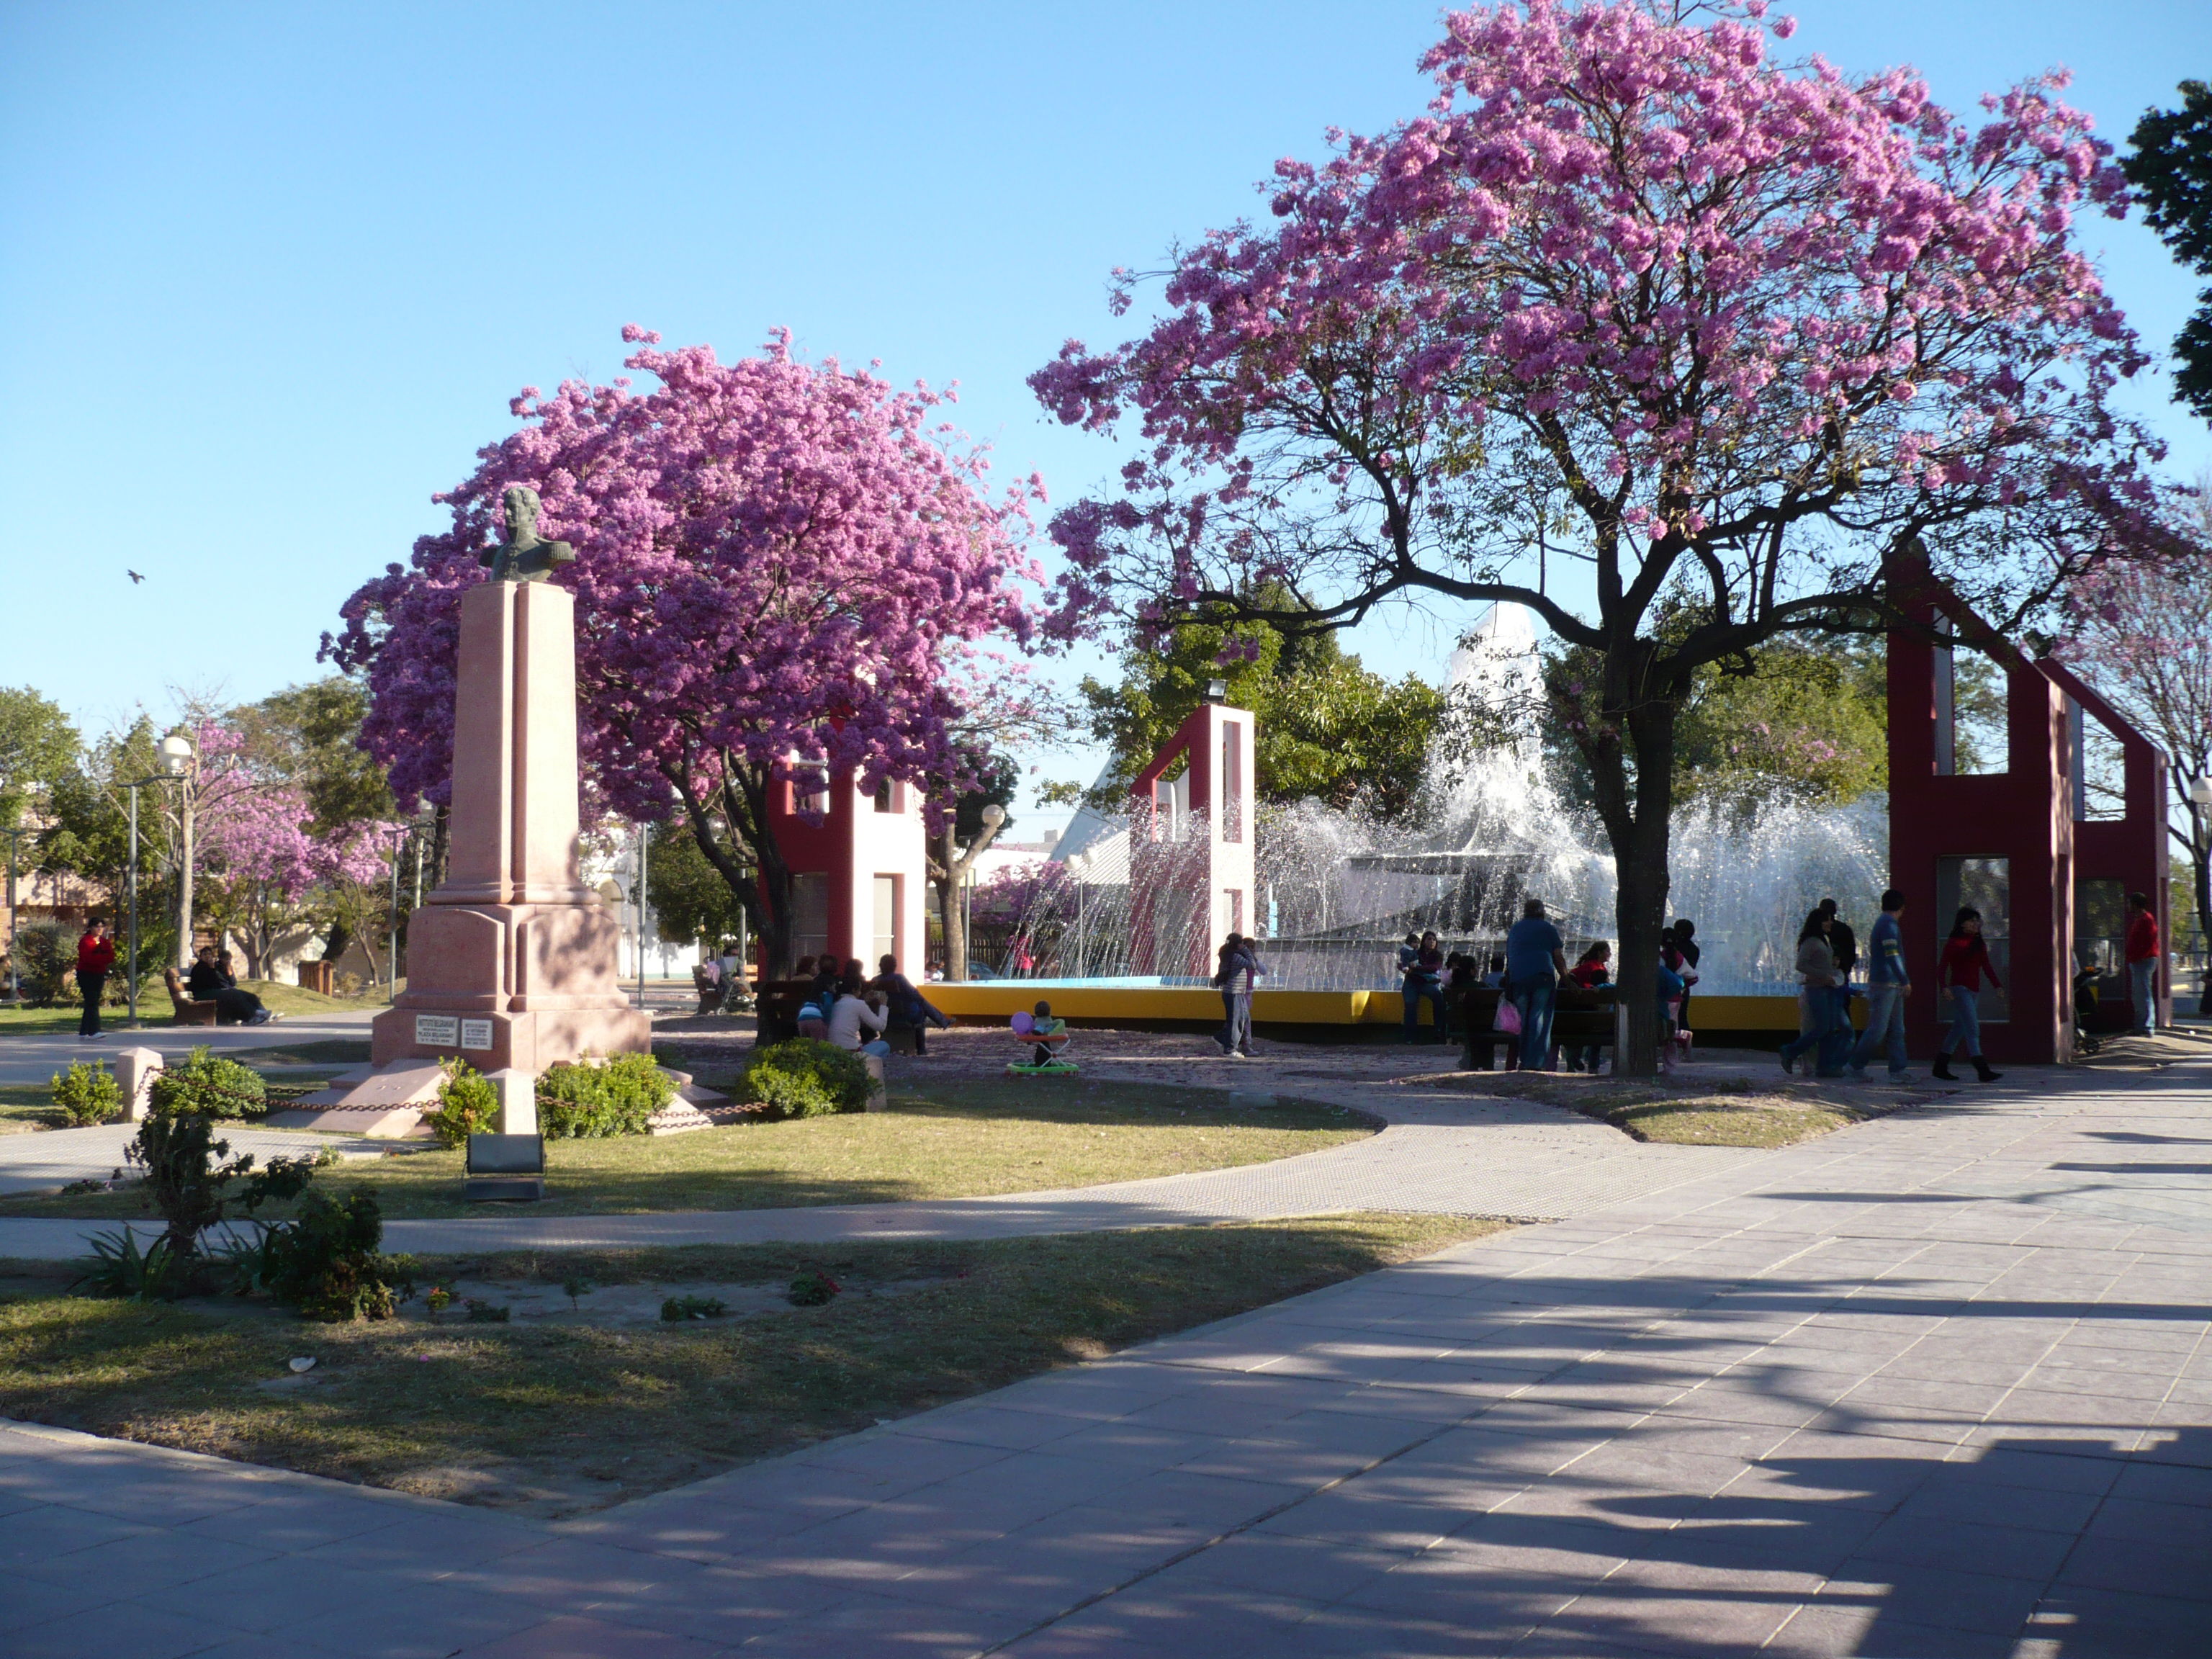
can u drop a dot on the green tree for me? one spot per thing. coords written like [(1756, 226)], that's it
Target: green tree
[(309, 735), (1795, 721), (2169, 162), (689, 895), (1329, 728), (39, 747), (954, 848), (87, 832)]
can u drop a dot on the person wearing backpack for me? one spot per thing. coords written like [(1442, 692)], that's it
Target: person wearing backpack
[(907, 1008)]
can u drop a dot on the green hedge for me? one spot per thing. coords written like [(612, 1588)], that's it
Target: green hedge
[(596, 1099), (802, 1078), (467, 1104), (208, 1085)]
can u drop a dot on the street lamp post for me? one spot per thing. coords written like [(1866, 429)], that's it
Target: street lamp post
[(2200, 798), (177, 758), (14, 981)]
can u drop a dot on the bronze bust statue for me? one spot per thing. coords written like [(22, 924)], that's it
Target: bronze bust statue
[(523, 557)]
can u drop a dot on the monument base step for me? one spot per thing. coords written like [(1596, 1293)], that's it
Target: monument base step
[(678, 1117), (370, 1123)]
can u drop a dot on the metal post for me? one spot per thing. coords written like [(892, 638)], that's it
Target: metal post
[(184, 873), (640, 915), (391, 924), (130, 977), (14, 926)]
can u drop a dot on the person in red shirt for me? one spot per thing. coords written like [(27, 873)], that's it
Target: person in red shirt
[(2142, 954), (1965, 962), (95, 956)]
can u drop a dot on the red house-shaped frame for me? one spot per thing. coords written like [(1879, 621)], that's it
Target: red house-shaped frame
[(1191, 833), (2019, 844)]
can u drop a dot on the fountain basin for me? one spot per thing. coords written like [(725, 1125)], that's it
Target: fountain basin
[(1192, 1004)]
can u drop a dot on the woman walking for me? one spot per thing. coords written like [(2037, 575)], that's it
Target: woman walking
[(1816, 966), (1965, 961)]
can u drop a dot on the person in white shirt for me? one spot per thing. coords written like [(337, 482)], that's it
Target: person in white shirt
[(852, 1015)]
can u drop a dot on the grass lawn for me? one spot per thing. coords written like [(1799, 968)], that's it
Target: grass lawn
[(558, 1418), (957, 1138), (293, 1001), (1721, 1112), (25, 1106)]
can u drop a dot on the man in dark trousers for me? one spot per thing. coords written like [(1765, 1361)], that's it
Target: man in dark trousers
[(95, 956), (1844, 945), (2143, 958)]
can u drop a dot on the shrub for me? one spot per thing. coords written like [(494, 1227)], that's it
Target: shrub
[(326, 1261), (192, 1189), (46, 960), (596, 1099), (87, 1094), (677, 1308), (802, 1078), (120, 1269), (467, 1104), (812, 1288), (208, 1085)]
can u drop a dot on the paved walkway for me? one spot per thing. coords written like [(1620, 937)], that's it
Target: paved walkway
[(34, 1058), (1940, 1384), (1445, 1152)]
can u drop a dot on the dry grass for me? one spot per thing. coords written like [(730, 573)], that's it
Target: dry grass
[(554, 1419), (946, 1138), (1688, 1110)]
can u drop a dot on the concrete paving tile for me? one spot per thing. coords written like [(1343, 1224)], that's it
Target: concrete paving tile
[(430, 1545), (2144, 1384), (1917, 1542), (51, 1530), (1946, 1498), (2015, 1464), (988, 1425), (1633, 1508), (2141, 1567), (576, 1572), (902, 1457), (2159, 1481), (420, 1621), (297, 1521), (117, 1628), (2089, 1624), (1946, 1600), (1823, 1632), (277, 1593), (2030, 1407), (33, 1600), (1303, 1567), (1649, 1619), (2180, 1525), (145, 1563), (1129, 1446), (1346, 1516), (571, 1637)]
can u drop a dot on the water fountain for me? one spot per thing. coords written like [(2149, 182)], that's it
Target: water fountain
[(1335, 890)]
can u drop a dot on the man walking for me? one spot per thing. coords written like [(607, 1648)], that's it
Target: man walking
[(2142, 954), (1887, 988), (1535, 961), (96, 955)]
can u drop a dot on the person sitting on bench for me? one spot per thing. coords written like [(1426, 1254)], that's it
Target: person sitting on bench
[(208, 982)]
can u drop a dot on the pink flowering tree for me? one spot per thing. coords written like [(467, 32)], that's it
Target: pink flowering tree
[(265, 866), (781, 568), (1673, 344)]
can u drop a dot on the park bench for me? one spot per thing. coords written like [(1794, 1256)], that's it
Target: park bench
[(191, 1011), (709, 985), (778, 1002), (1581, 1021), (505, 1170)]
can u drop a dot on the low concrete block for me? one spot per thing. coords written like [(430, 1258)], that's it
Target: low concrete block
[(517, 1100), (878, 1099), (134, 1072)]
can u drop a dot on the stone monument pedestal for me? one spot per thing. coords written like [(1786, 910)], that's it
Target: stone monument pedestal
[(512, 962)]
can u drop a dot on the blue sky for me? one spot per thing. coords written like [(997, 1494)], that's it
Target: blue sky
[(269, 273)]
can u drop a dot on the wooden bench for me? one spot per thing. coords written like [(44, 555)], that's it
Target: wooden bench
[(709, 987), (190, 1009), (777, 1002), (1581, 1021)]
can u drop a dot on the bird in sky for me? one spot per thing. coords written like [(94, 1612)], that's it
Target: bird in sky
[(135, 577)]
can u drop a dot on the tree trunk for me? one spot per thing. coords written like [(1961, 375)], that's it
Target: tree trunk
[(2200, 865), (1630, 751), (946, 858)]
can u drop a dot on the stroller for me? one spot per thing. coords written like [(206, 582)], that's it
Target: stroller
[(1046, 1038), (2084, 1009)]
